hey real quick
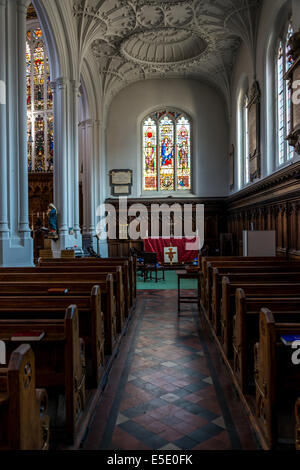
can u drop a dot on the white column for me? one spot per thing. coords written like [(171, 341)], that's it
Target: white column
[(101, 177), (60, 158), (66, 171), (22, 120), (76, 95), (89, 210), (4, 231), (16, 244)]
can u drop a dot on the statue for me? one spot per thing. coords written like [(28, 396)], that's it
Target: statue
[(52, 220)]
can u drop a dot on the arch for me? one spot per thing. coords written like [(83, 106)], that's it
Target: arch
[(56, 22), (278, 24)]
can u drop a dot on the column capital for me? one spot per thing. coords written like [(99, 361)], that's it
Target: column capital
[(23, 5), (59, 83)]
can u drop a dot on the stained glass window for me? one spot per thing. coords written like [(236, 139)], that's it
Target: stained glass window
[(285, 151), (167, 152), (39, 102), (246, 140)]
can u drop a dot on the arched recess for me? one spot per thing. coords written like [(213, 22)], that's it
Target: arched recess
[(59, 29)]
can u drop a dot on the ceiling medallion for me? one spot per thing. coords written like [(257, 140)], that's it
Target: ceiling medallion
[(163, 46)]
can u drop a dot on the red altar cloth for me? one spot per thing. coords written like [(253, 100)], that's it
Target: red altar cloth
[(157, 245)]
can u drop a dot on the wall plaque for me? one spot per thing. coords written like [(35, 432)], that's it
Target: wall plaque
[(121, 190), (121, 182), (121, 177), (254, 132)]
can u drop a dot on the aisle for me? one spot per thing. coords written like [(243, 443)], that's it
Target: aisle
[(168, 388)]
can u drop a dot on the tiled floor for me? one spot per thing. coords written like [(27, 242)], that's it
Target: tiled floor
[(168, 389)]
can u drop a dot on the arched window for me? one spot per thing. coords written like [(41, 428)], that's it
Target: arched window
[(167, 152), (39, 102), (284, 151), (246, 149)]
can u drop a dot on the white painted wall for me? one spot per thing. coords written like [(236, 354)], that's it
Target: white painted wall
[(210, 131), (273, 16)]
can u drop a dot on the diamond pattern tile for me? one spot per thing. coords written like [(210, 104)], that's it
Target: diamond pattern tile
[(165, 396)]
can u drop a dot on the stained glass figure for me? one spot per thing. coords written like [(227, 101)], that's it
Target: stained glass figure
[(288, 93), (167, 152), (284, 96), (150, 155), (183, 133), (39, 102)]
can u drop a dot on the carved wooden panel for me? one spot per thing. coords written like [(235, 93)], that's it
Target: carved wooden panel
[(214, 223), (40, 193)]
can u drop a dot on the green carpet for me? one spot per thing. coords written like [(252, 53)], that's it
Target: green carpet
[(169, 283)]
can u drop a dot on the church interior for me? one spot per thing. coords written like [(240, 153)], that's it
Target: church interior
[(122, 123)]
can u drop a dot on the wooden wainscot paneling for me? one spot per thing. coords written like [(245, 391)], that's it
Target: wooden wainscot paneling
[(215, 222), (271, 204), (40, 193)]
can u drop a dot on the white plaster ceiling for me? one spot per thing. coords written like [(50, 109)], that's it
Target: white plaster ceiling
[(135, 39)]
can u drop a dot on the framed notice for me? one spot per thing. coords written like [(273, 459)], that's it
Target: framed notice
[(254, 131), (121, 177), (121, 190), (121, 182)]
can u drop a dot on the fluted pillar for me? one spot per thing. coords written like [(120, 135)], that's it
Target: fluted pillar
[(76, 95), (60, 162), (101, 177), (16, 244), (4, 231), (88, 149), (66, 179), (22, 119)]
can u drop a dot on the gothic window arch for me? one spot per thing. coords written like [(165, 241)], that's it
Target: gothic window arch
[(285, 152), (166, 152), (39, 102)]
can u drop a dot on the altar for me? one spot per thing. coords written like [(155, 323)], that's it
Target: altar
[(184, 254)]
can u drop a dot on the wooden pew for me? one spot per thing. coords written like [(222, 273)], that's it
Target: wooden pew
[(91, 322), (266, 286), (128, 265), (214, 278), (121, 293), (24, 420), (219, 259), (105, 281), (246, 329), (277, 379), (59, 358)]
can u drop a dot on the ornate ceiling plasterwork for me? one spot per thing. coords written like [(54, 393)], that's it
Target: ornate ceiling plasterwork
[(136, 39)]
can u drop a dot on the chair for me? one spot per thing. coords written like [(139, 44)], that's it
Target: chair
[(150, 264)]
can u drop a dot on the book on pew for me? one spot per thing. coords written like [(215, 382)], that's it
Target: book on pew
[(58, 290), (29, 335), (288, 340)]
